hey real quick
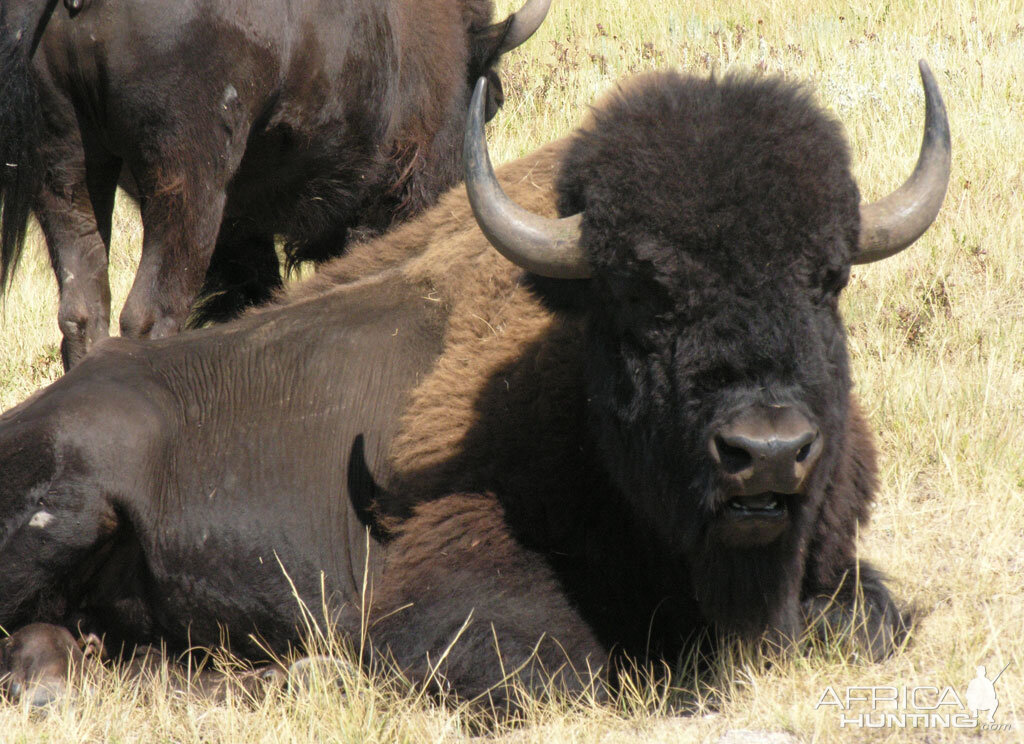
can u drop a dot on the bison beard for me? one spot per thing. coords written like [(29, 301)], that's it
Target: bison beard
[(558, 471)]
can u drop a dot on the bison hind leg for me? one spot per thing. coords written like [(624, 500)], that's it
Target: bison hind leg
[(859, 615)]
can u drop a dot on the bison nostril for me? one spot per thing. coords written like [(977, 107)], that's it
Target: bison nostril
[(733, 459), (766, 449)]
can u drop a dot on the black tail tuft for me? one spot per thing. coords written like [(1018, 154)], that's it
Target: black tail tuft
[(19, 162)]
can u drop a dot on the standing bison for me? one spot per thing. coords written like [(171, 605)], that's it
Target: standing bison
[(235, 122), (645, 436)]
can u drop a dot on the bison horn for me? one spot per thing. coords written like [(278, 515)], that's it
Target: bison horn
[(525, 23), (889, 225), (548, 247)]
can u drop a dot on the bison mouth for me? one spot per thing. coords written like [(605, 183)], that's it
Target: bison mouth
[(769, 505), (754, 520)]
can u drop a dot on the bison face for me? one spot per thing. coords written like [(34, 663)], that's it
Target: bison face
[(29, 515), (719, 221), (719, 400), (67, 454)]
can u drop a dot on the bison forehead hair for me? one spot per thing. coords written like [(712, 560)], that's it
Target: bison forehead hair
[(737, 173), (719, 219)]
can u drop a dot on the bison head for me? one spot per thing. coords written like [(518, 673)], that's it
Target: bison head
[(715, 222), (67, 454)]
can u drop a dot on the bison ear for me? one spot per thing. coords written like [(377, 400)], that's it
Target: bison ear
[(484, 53), (485, 48), (486, 45), (495, 95)]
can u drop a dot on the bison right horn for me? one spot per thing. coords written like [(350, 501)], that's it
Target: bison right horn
[(889, 225), (548, 247)]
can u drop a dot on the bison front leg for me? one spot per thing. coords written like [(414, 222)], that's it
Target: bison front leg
[(244, 271), (182, 172), (74, 209), (845, 598), (463, 609), (180, 224), (859, 609)]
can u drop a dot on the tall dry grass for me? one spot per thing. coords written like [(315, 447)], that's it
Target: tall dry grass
[(937, 340)]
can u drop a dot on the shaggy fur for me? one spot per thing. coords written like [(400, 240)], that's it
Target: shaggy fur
[(232, 125), (530, 456)]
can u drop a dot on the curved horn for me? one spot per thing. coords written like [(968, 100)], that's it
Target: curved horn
[(889, 225), (548, 247), (525, 23)]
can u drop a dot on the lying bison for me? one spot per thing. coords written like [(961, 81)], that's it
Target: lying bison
[(645, 436), (234, 122)]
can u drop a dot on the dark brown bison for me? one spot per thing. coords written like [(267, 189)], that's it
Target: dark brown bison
[(233, 122), (645, 437)]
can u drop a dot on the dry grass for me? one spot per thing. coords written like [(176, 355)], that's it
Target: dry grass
[(937, 337)]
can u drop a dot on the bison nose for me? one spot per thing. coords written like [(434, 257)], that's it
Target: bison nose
[(766, 449)]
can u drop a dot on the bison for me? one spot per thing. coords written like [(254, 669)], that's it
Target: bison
[(233, 123), (637, 432)]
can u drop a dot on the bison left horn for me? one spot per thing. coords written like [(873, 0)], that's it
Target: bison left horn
[(889, 225), (525, 23), (545, 246)]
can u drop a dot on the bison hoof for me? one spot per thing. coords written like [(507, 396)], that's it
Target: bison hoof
[(317, 672), (38, 695)]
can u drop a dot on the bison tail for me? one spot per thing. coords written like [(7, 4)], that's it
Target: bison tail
[(19, 122)]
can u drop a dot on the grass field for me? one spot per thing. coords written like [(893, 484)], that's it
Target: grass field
[(937, 341)]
